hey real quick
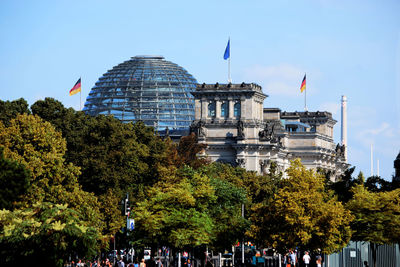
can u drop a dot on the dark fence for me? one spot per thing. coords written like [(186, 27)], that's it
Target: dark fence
[(356, 253)]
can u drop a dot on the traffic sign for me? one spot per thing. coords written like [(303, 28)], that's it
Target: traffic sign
[(130, 224)]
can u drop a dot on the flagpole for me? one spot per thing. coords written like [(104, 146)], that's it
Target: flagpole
[(305, 96), (305, 99), (229, 62), (80, 97), (229, 70)]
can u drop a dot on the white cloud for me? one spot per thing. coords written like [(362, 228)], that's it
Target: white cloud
[(382, 134)]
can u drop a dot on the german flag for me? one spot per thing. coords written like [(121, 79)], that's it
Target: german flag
[(303, 84), (76, 88)]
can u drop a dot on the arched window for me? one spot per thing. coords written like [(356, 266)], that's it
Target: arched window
[(211, 110), (224, 110), (236, 110)]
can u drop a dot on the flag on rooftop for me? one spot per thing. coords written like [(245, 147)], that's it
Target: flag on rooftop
[(303, 84), (76, 88), (227, 53)]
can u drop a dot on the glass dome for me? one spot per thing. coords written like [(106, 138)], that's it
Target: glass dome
[(146, 88)]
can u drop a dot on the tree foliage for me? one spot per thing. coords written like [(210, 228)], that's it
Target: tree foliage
[(44, 234), (187, 149), (229, 225), (115, 158), (174, 211), (14, 181), (377, 184), (261, 191), (10, 109), (377, 215), (36, 145), (343, 187), (304, 215)]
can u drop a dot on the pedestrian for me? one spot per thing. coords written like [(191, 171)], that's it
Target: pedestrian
[(286, 260), (159, 263), (121, 263), (293, 258), (306, 259), (366, 264), (319, 261), (142, 263)]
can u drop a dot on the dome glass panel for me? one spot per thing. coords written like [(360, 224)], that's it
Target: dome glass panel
[(146, 88)]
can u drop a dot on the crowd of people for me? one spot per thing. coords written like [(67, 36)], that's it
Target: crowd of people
[(291, 259), (121, 262)]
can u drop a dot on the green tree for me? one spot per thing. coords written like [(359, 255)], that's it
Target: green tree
[(44, 234), (303, 214), (36, 145), (115, 158), (377, 184), (53, 111), (261, 191), (14, 181), (343, 187), (187, 149), (377, 217), (229, 225), (10, 110), (174, 211)]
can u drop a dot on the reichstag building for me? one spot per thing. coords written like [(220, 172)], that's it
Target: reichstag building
[(229, 118)]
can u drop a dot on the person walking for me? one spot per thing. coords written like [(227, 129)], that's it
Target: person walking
[(319, 261), (293, 258), (306, 259), (159, 263), (142, 263), (121, 262)]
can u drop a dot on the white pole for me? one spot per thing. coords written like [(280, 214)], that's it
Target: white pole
[(344, 125), (80, 96), (229, 69), (305, 99), (229, 62)]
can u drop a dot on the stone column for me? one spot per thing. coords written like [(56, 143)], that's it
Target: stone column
[(204, 108), (261, 112), (231, 103), (243, 106), (217, 108), (197, 109)]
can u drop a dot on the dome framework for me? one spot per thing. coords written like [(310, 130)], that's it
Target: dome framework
[(146, 88)]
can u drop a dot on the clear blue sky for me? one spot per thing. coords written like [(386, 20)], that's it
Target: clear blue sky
[(347, 48)]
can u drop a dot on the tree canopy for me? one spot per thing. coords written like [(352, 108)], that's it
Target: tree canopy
[(303, 214), (36, 145), (65, 173), (14, 181)]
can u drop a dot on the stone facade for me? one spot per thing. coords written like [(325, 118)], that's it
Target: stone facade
[(231, 120)]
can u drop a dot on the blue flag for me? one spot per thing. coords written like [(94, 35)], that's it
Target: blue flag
[(227, 50)]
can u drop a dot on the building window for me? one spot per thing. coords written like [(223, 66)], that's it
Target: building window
[(211, 110), (236, 110), (224, 110)]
